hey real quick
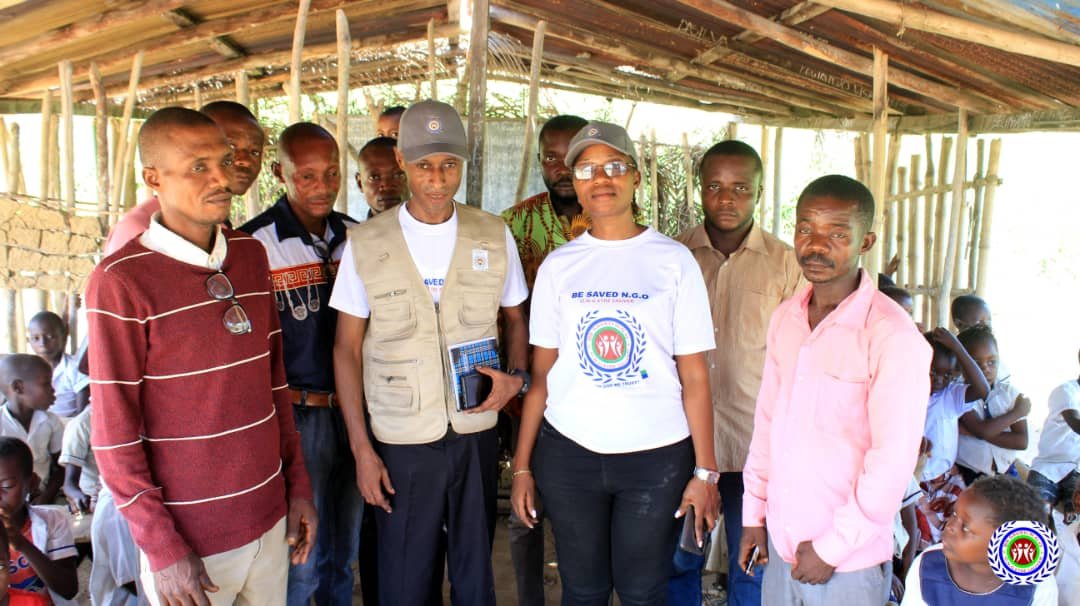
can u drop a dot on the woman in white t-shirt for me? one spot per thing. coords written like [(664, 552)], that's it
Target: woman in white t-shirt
[(617, 428)]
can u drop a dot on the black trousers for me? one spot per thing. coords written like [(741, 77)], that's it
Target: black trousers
[(451, 482), (612, 516)]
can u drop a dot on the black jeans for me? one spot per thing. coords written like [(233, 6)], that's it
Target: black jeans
[(612, 516)]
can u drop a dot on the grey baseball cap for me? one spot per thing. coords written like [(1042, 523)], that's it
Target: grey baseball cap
[(430, 127), (612, 135)]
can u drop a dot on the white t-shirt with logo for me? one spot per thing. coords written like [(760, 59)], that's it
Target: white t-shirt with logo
[(618, 311), (431, 247)]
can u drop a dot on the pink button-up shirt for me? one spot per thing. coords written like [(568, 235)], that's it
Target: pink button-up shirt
[(837, 427)]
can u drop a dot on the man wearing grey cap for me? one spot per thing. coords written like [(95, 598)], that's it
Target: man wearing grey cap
[(414, 284)]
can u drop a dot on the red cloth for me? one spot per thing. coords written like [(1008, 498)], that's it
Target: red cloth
[(21, 574), (192, 428), (26, 598)]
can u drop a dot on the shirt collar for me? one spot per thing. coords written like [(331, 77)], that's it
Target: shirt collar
[(854, 310), (754, 240), (161, 239), (287, 225)]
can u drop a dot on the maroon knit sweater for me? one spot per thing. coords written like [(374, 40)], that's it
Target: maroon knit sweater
[(192, 428)]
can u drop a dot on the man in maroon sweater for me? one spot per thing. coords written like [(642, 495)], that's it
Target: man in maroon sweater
[(192, 425)]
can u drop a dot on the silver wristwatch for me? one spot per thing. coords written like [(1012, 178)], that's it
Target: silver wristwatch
[(707, 475)]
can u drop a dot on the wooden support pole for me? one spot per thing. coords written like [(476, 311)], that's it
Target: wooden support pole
[(956, 215), (5, 162), (766, 173), (914, 251), (874, 260), (19, 322), (860, 169), (778, 197), (643, 152), (197, 96), (929, 233), (688, 171), (981, 281), (243, 89), (127, 194), (67, 113), (243, 97), (297, 60), (898, 219), (478, 59), (45, 154), (732, 130), (54, 158), (124, 140), (344, 61), (534, 98), (654, 175), (432, 60), (969, 30), (941, 226), (976, 213), (101, 142), (15, 157), (10, 295)]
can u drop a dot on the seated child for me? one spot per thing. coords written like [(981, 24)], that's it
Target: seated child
[(996, 430), (1054, 471), (26, 382), (81, 481), (9, 596), (968, 311), (904, 299), (1068, 572), (949, 400), (958, 572), (48, 335), (42, 550)]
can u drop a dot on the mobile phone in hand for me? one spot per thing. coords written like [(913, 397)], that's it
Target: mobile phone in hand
[(754, 553)]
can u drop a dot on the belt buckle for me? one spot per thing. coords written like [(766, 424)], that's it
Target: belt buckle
[(330, 400), (303, 398)]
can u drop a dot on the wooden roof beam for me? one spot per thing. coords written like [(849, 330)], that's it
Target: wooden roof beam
[(101, 22), (222, 45), (657, 60), (1011, 13), (1039, 121), (800, 13), (924, 19), (118, 60), (819, 49)]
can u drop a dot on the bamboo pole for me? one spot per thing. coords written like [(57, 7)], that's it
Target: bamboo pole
[(67, 112), (478, 61), (955, 217), (432, 73), (987, 218), (127, 194), (15, 156), (642, 155), (941, 211), (914, 259), (44, 152), (297, 58), (778, 150), (688, 171), (19, 320), (5, 161), (928, 232), (534, 97), (124, 140), (898, 214), (197, 96), (10, 294), (976, 214), (344, 61), (860, 171), (243, 97), (654, 174), (101, 142), (969, 30), (872, 260), (54, 158), (243, 88), (732, 130), (766, 172)]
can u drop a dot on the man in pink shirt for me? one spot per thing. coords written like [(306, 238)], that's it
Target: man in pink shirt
[(839, 416), (245, 137)]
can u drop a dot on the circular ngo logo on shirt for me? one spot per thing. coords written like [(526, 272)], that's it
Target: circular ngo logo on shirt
[(610, 347), (1022, 552)]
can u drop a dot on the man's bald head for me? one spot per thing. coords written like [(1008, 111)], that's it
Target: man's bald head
[(155, 133), (299, 134), (230, 110), (20, 367)]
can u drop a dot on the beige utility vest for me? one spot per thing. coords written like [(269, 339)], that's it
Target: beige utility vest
[(406, 366)]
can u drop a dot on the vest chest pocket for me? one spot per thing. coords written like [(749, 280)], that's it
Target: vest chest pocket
[(392, 317), (392, 387), (479, 297)]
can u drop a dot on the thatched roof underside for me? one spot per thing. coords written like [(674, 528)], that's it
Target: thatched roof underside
[(771, 61)]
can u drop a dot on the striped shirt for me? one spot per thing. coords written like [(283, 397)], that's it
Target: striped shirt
[(192, 427)]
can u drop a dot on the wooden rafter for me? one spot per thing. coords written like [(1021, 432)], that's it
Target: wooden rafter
[(820, 49), (223, 45)]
